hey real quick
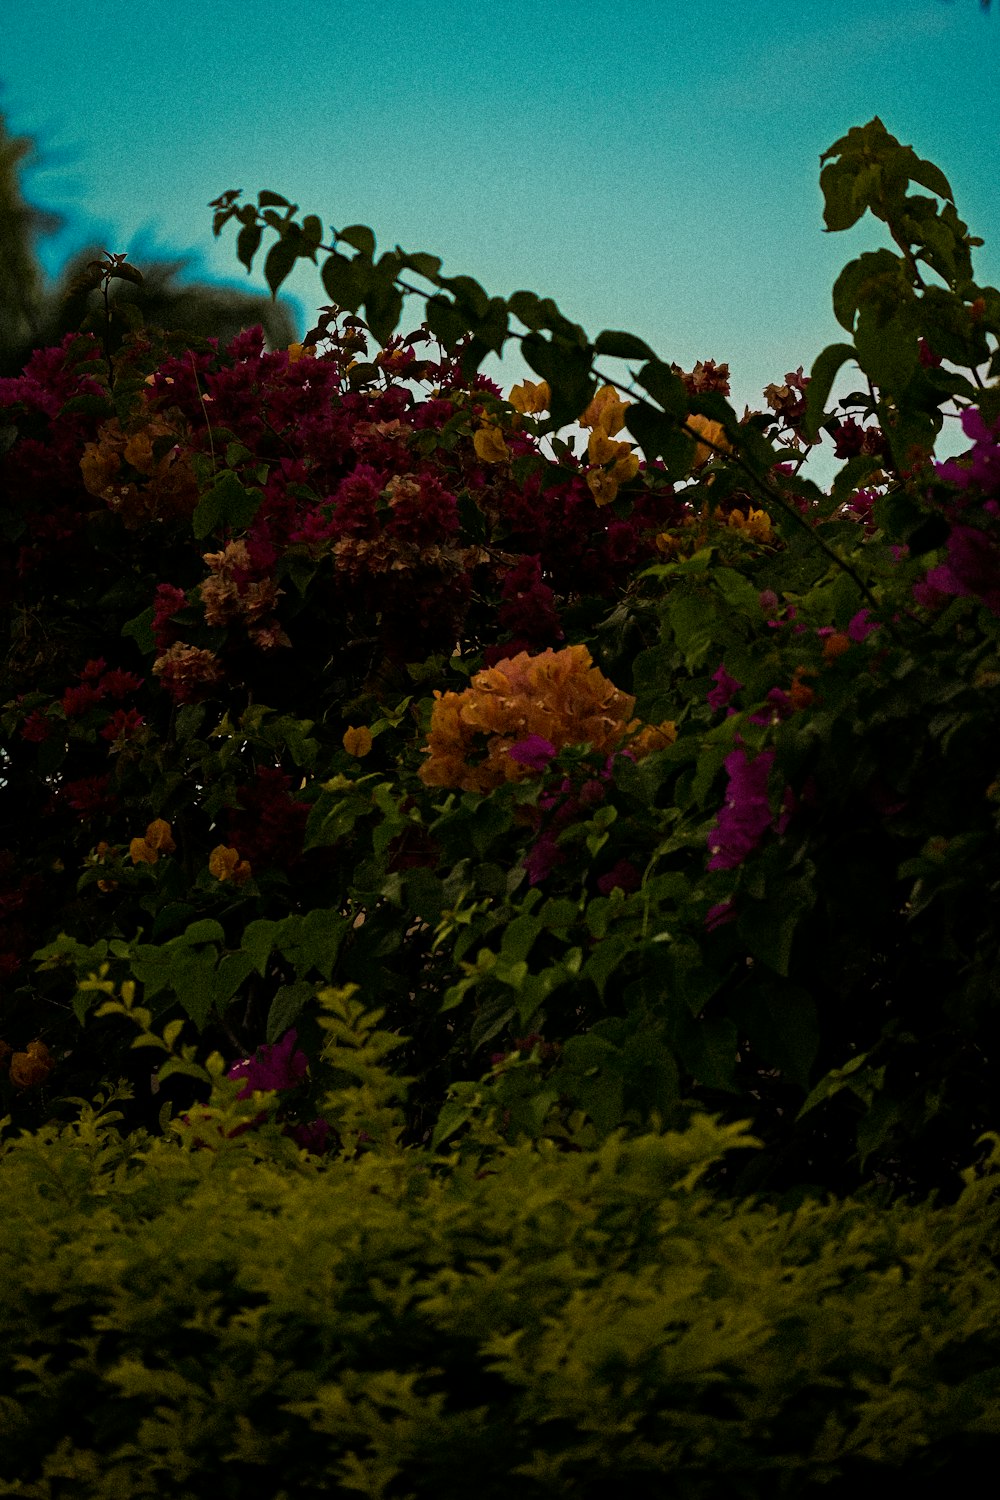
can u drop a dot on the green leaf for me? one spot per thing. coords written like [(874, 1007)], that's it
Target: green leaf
[(425, 265), (823, 373), (445, 321), (527, 306), (660, 437), (345, 281), (258, 941), (768, 927), (193, 982), (312, 230), (887, 347), (567, 368), (842, 205), (320, 936), (228, 503), (266, 199), (206, 930), (280, 261), (233, 970), (141, 631), (383, 308), (360, 237), (248, 243), (622, 346), (693, 619), (738, 592), (605, 957), (665, 386), (286, 1007), (470, 297)]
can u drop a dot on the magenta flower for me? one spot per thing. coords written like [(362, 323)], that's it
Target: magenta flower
[(280, 1066), (860, 626), (719, 915), (315, 1136), (746, 814), (726, 688), (624, 873), (972, 568), (981, 465), (533, 751)]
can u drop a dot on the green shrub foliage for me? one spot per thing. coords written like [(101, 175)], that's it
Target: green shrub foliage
[(645, 778), (222, 1313)]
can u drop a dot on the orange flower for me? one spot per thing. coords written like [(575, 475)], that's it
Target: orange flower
[(31, 1066), (714, 432), (560, 696), (800, 694), (490, 446), (606, 412), (530, 398), (357, 742), (225, 864), (835, 645), (158, 840), (756, 523)]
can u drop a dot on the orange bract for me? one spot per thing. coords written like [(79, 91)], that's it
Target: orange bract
[(559, 696)]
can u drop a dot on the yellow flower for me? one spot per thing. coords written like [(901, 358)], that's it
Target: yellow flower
[(225, 864), (560, 696), (606, 411), (158, 840), (357, 742), (530, 398), (714, 432), (755, 524), (602, 485), (490, 446), (301, 351)]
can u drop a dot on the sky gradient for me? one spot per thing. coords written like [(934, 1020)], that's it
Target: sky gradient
[(652, 166)]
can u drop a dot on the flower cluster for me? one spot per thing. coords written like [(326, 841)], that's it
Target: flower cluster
[(278, 1068), (611, 464), (746, 813), (158, 839), (560, 697), (142, 473)]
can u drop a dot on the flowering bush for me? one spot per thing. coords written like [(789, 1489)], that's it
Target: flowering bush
[(327, 667)]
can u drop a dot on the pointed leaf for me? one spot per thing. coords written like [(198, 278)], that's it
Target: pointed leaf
[(822, 376), (622, 346), (248, 243), (360, 237), (280, 259)]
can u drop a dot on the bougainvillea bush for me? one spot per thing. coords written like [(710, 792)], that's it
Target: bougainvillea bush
[(641, 779)]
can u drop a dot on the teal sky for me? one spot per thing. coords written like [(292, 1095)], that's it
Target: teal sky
[(652, 166)]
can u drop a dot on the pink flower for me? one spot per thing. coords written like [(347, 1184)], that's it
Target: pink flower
[(726, 687), (533, 751), (746, 814), (623, 874), (123, 724), (118, 684), (860, 626), (36, 728), (76, 700), (280, 1066), (972, 568)]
